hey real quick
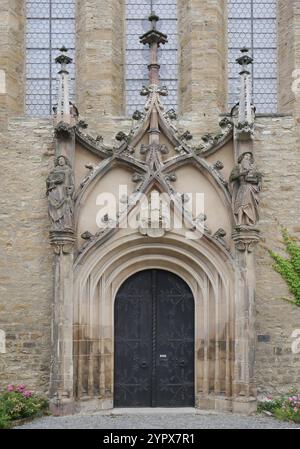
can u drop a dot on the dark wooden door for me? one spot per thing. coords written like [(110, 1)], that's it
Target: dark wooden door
[(154, 342)]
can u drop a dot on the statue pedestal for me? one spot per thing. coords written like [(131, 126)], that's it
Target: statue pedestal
[(63, 406), (246, 238), (62, 241)]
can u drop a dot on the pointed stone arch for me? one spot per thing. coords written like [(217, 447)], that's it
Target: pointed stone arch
[(97, 280)]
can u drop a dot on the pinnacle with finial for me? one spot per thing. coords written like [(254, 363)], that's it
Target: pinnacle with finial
[(153, 36), (244, 60), (63, 58)]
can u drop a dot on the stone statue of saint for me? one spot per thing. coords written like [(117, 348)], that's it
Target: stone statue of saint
[(60, 191), (246, 183)]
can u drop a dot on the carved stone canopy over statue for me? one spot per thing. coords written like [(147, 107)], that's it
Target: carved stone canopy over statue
[(60, 191), (246, 184)]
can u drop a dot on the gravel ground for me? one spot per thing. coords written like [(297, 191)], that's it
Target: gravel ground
[(159, 420)]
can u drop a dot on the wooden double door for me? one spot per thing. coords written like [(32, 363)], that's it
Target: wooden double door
[(154, 342)]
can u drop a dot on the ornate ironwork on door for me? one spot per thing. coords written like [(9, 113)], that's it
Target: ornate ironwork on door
[(154, 342)]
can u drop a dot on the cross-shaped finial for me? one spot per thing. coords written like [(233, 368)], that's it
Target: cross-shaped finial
[(244, 60), (153, 18), (63, 59)]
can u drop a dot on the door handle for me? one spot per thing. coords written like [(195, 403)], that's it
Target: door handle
[(182, 363), (144, 364)]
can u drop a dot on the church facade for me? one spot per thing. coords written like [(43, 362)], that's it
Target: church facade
[(135, 267)]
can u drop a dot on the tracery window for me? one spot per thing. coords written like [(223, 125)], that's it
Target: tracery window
[(252, 23), (50, 25), (137, 57)]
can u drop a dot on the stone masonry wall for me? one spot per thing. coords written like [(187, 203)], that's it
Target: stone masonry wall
[(99, 52), (26, 278), (278, 155), (26, 281), (11, 59), (286, 60), (202, 28), (26, 156)]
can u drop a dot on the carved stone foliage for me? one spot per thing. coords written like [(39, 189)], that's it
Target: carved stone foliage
[(154, 147), (210, 140), (64, 130), (246, 185), (220, 236), (138, 115), (244, 130), (60, 194), (138, 179), (217, 168)]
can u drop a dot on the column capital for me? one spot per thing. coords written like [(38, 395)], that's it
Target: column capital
[(246, 238), (62, 242)]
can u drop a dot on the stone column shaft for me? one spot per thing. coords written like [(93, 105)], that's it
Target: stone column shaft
[(100, 58), (203, 60), (12, 55), (244, 391)]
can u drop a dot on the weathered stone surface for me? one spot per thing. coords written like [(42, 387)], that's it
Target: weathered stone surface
[(99, 77), (203, 60), (27, 154), (278, 157), (12, 38), (26, 281)]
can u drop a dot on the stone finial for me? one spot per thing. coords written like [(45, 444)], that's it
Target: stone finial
[(65, 111), (245, 118), (153, 36), (154, 39), (63, 59), (244, 60)]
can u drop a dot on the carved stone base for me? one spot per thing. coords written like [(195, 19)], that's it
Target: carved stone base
[(64, 407), (245, 406), (245, 238), (62, 241)]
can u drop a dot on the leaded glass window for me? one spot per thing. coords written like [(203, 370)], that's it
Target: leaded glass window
[(252, 23), (50, 25), (137, 56)]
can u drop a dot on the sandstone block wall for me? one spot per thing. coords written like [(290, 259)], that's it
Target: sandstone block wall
[(100, 56), (278, 156), (12, 37), (202, 28), (26, 279), (26, 155)]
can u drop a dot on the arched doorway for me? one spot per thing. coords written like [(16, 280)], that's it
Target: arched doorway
[(154, 341)]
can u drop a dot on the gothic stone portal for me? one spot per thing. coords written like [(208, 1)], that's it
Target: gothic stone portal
[(154, 342), (212, 252)]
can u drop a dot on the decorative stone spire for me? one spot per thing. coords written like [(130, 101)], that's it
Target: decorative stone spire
[(154, 38), (65, 111), (245, 120)]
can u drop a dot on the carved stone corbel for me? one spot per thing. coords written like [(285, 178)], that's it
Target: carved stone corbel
[(62, 242), (245, 238), (64, 130)]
